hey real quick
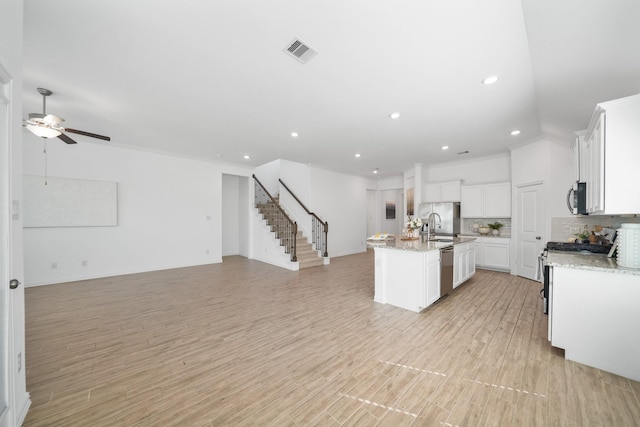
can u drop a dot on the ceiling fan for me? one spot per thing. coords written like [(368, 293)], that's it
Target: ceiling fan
[(49, 125)]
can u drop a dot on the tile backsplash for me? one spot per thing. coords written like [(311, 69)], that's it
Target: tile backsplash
[(563, 228)]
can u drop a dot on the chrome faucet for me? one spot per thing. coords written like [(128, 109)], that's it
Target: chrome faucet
[(431, 224)]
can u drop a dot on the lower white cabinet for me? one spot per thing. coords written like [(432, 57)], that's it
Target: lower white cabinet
[(493, 253), (464, 262), (407, 279), (594, 317)]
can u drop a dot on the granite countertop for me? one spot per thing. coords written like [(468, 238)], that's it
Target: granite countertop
[(491, 236), (596, 262), (421, 244)]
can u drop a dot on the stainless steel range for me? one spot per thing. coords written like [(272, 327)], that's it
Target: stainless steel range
[(543, 267)]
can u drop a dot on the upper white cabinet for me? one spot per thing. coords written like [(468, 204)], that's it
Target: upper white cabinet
[(486, 201), (609, 155), (441, 192)]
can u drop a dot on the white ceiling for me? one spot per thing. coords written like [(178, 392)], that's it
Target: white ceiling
[(209, 79)]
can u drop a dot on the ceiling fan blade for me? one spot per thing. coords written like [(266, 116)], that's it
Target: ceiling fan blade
[(66, 139), (92, 135)]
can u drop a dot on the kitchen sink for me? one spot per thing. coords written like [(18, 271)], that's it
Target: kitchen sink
[(442, 240)]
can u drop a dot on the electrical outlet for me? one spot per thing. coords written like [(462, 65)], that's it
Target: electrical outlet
[(54, 265), (19, 362), (85, 263)]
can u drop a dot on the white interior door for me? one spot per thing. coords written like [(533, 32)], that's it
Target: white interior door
[(530, 228), (5, 300)]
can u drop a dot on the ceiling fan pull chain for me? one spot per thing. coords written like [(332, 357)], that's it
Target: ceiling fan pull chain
[(45, 161)]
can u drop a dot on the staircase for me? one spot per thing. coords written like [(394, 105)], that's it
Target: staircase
[(306, 255)]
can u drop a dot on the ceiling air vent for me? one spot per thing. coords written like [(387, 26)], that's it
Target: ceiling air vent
[(300, 50)]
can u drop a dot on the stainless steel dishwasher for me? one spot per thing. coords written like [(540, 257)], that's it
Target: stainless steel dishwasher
[(446, 270)]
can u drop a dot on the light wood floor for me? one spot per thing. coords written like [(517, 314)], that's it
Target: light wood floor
[(247, 344)]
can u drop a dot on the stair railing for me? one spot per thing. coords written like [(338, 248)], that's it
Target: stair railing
[(319, 228), (285, 228)]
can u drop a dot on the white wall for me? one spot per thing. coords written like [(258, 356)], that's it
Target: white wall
[(479, 171), (393, 226), (562, 165), (169, 213), (297, 177), (268, 175), (548, 161), (12, 245), (235, 215), (344, 199)]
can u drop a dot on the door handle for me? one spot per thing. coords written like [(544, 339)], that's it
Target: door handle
[(538, 238), (14, 283)]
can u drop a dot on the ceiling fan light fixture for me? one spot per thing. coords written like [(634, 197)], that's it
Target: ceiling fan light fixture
[(52, 120), (43, 131)]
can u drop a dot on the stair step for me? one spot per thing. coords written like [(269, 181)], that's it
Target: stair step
[(310, 263), (306, 255)]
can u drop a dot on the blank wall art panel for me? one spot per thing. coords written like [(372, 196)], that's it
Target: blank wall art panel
[(65, 202)]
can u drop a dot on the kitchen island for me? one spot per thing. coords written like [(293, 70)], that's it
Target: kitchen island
[(407, 273), (594, 312)]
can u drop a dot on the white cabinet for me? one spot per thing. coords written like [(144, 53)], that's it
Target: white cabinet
[(464, 263), (441, 192), (596, 328), (472, 201), (486, 201), (407, 279), (432, 277), (609, 158), (493, 253)]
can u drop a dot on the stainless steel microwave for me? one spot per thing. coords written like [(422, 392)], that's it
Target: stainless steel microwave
[(577, 198)]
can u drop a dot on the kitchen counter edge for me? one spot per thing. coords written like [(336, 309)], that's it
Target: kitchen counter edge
[(595, 262), (419, 245)]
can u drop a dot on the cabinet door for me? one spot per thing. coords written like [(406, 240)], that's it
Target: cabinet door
[(471, 201), (464, 266), (597, 162), (477, 249), (450, 191), (594, 165), (432, 193), (497, 200), (496, 255), (577, 146), (457, 260), (432, 277), (471, 261)]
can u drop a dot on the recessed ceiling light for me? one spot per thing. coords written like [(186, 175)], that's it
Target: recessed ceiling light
[(490, 80), (375, 170), (357, 154), (394, 115), (515, 132), (294, 134), (246, 156), (445, 147)]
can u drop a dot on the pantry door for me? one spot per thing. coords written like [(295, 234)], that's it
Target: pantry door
[(530, 228), (6, 330)]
